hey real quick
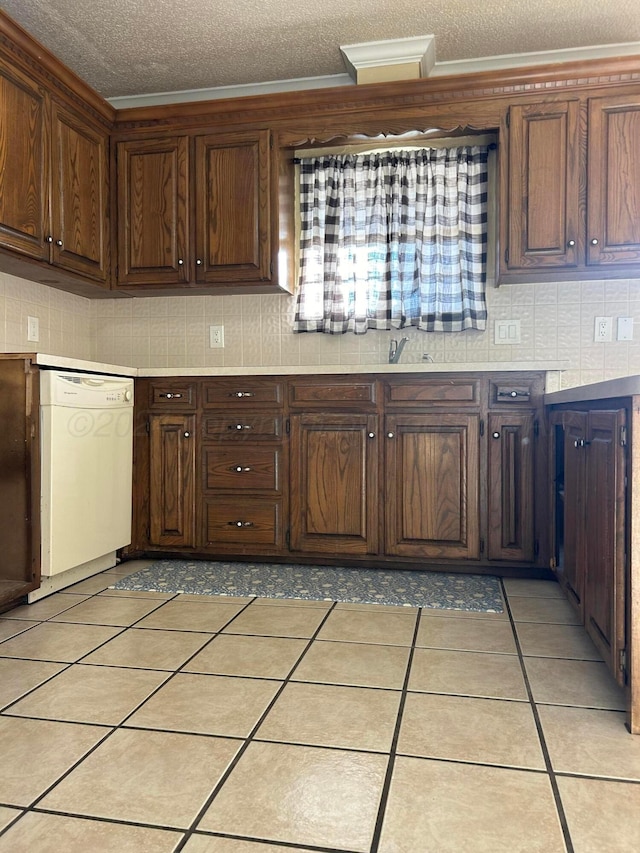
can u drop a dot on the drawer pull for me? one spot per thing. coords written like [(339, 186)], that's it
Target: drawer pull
[(242, 394), (581, 442), (239, 426), (239, 469), (240, 523), (171, 396), (495, 435), (514, 394)]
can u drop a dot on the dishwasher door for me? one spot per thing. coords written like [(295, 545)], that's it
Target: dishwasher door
[(87, 449)]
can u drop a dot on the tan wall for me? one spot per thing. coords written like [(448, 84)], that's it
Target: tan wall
[(557, 324)]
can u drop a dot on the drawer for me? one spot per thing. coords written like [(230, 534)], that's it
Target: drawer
[(243, 523), (433, 392), (167, 394), (523, 392), (309, 394), (242, 468), (242, 426), (237, 392)]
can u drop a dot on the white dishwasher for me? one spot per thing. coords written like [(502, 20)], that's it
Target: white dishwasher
[(86, 423)]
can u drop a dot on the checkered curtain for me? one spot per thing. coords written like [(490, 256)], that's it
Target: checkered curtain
[(393, 239)]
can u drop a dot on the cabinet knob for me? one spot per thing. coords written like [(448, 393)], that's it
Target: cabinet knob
[(390, 434), (239, 469), (180, 262), (59, 243), (371, 434), (198, 262), (170, 396), (187, 434), (239, 426), (594, 242), (240, 523), (581, 442), (48, 239), (571, 243), (495, 435), (241, 394)]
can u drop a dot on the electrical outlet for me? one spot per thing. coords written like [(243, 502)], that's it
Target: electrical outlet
[(33, 329), (603, 329), (216, 337)]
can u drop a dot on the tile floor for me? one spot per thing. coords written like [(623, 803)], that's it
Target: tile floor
[(134, 721)]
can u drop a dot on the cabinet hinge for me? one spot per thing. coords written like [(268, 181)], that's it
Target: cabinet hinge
[(147, 427), (536, 548), (536, 428), (506, 256), (148, 532), (552, 563), (271, 267), (482, 546), (622, 660), (623, 436), (481, 427), (508, 118), (287, 538), (287, 426)]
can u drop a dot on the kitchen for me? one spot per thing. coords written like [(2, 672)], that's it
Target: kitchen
[(166, 335)]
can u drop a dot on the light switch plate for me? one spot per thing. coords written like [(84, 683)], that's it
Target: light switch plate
[(506, 332), (625, 329)]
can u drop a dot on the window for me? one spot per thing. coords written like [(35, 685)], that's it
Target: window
[(393, 239)]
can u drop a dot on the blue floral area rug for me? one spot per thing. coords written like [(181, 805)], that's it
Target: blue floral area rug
[(439, 590)]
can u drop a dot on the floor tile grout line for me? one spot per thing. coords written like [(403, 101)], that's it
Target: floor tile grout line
[(386, 785), (293, 845), (564, 825), (249, 739), (113, 728)]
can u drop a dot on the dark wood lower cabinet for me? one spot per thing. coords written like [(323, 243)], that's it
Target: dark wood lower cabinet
[(591, 542), (334, 484), (432, 480), (172, 498), (511, 482)]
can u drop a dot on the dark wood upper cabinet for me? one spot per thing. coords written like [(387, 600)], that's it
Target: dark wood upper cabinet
[(613, 213), (543, 223), (24, 164), (153, 209), (571, 189), (79, 195), (233, 208)]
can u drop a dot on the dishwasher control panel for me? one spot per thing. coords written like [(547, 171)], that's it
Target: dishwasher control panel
[(85, 390)]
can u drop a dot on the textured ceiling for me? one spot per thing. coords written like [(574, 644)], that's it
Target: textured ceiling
[(127, 47)]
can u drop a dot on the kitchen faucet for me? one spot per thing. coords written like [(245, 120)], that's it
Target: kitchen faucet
[(395, 350)]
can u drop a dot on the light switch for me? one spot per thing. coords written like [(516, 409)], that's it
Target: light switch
[(507, 332)]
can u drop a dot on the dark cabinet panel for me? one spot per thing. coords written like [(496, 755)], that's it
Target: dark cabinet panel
[(172, 498), (334, 484), (24, 164), (511, 493), (153, 211), (432, 477)]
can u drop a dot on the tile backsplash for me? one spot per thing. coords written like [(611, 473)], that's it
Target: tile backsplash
[(557, 324)]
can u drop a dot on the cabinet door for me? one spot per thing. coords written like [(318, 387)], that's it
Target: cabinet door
[(432, 481), (334, 484), (152, 211), (575, 493), (79, 196), (542, 226), (613, 218), (24, 165), (604, 593), (172, 479), (511, 486), (233, 217)]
